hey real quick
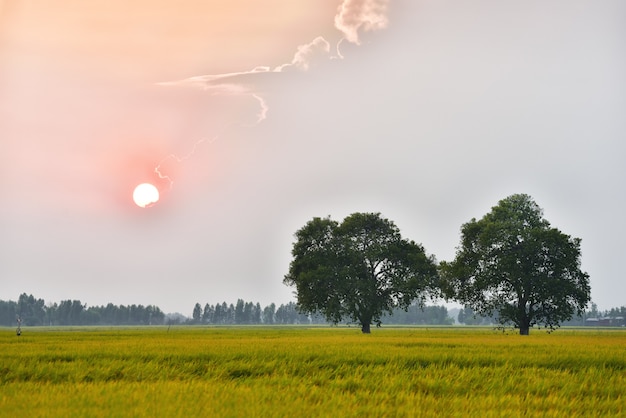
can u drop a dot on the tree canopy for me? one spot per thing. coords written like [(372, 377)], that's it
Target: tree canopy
[(513, 264), (358, 269)]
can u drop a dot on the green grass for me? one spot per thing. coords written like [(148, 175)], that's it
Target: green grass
[(256, 371)]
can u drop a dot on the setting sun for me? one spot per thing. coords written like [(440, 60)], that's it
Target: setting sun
[(145, 195)]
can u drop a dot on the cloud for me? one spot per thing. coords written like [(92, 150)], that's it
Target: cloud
[(305, 54), (242, 82), (352, 17), (245, 82), (361, 15)]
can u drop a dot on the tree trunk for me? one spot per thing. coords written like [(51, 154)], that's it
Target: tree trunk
[(365, 328), (524, 330)]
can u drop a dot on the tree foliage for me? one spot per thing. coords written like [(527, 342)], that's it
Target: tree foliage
[(513, 264), (358, 269)]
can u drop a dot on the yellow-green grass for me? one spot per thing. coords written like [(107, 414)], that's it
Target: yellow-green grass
[(295, 372)]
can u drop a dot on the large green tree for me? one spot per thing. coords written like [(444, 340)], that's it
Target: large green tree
[(358, 269), (513, 264)]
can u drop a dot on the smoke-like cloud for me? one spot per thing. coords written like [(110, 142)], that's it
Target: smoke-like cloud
[(242, 82), (353, 17), (306, 53)]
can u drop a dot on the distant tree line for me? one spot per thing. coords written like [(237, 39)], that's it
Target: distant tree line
[(467, 316), (247, 313), (415, 315), (35, 312), (596, 317), (590, 317), (243, 313)]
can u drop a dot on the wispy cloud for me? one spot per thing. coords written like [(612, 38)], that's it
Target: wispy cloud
[(353, 17), (242, 82), (306, 53)]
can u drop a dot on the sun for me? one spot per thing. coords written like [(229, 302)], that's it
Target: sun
[(145, 195)]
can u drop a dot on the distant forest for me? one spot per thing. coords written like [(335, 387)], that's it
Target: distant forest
[(613, 317), (32, 311), (250, 313)]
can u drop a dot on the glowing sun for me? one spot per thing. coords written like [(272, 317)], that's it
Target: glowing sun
[(145, 195)]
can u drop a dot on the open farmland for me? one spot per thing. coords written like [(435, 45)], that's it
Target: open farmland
[(252, 371)]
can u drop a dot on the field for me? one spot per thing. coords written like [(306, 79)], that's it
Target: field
[(300, 372)]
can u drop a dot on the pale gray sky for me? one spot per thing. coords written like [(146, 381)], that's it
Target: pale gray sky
[(440, 109)]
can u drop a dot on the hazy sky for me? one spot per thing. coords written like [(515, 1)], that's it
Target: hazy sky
[(254, 116)]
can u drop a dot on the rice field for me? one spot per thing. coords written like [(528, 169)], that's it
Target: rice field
[(311, 372)]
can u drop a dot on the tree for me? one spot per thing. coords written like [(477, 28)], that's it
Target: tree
[(290, 314), (239, 311), (218, 315), (468, 317), (358, 269), (69, 312), (514, 264), (8, 313), (207, 313), (197, 313), (256, 318), (31, 311), (416, 315), (269, 313), (248, 312)]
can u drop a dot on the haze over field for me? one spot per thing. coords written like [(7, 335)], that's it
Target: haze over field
[(251, 117)]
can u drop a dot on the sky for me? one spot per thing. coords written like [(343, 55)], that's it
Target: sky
[(254, 116)]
